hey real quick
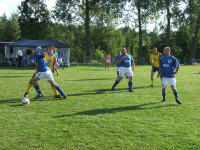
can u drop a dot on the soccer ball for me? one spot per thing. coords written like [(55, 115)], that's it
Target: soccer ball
[(25, 101)]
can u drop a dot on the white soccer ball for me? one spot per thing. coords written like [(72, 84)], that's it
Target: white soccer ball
[(25, 101)]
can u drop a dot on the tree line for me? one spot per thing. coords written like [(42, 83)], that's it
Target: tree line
[(90, 27)]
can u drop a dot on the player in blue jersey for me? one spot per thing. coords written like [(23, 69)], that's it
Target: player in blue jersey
[(117, 65), (126, 62), (44, 72), (60, 58), (168, 69)]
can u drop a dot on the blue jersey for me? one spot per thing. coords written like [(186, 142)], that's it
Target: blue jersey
[(168, 66), (116, 60), (41, 62), (126, 62), (60, 54)]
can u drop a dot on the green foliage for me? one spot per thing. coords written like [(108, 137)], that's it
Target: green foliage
[(34, 19), (9, 28), (94, 117)]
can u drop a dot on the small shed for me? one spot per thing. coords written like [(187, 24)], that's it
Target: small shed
[(11, 49)]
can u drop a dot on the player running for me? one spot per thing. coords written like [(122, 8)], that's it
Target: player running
[(155, 58), (125, 61), (168, 69), (117, 65), (44, 72)]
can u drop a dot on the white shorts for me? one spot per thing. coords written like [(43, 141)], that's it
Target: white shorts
[(107, 61), (166, 81), (60, 60), (118, 68), (47, 75), (127, 71)]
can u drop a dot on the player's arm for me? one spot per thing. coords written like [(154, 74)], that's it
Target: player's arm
[(55, 64), (133, 65), (177, 65), (119, 61), (151, 61)]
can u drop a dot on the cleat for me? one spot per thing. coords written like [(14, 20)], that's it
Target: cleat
[(38, 96), (163, 101), (26, 94), (179, 102), (112, 89), (151, 85), (64, 96), (57, 74), (130, 90), (58, 96)]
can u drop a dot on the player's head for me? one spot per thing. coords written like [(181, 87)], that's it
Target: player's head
[(50, 50), (166, 51), (59, 50), (124, 51), (154, 50), (52, 47), (30, 52)]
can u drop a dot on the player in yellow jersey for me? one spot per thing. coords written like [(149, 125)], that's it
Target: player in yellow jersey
[(52, 63), (155, 58)]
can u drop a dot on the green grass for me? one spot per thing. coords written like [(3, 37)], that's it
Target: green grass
[(93, 117)]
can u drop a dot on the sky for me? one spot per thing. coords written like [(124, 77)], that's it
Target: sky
[(10, 6)]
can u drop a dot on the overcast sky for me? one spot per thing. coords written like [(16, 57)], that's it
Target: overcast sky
[(10, 6)]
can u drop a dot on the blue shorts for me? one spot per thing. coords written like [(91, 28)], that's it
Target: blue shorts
[(155, 69)]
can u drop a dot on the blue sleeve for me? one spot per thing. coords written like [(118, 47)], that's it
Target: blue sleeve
[(132, 60), (116, 59), (161, 56), (161, 64), (177, 65)]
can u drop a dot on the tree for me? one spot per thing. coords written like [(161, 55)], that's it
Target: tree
[(171, 8), (82, 12), (9, 28), (34, 19)]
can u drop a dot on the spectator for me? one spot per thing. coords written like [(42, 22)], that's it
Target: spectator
[(4, 61), (19, 54)]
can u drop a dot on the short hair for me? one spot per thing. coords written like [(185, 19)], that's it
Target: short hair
[(168, 48), (29, 51), (155, 48)]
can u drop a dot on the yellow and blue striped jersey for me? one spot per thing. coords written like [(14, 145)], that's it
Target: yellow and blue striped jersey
[(50, 61), (155, 59)]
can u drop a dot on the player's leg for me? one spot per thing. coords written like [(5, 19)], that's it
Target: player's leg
[(29, 87), (165, 82), (130, 82), (50, 79), (118, 69), (36, 85), (108, 65), (152, 78), (121, 75), (58, 88), (173, 87)]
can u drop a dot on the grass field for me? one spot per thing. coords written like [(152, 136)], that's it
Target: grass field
[(93, 117)]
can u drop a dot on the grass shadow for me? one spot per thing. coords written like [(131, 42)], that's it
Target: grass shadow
[(45, 98), (115, 110)]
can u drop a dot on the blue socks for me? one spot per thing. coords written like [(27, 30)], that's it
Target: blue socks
[(176, 94), (60, 90), (37, 88), (130, 85), (116, 82), (164, 94)]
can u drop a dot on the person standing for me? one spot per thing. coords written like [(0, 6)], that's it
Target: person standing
[(60, 58), (117, 65), (155, 58), (108, 58), (19, 54), (126, 62), (168, 69)]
